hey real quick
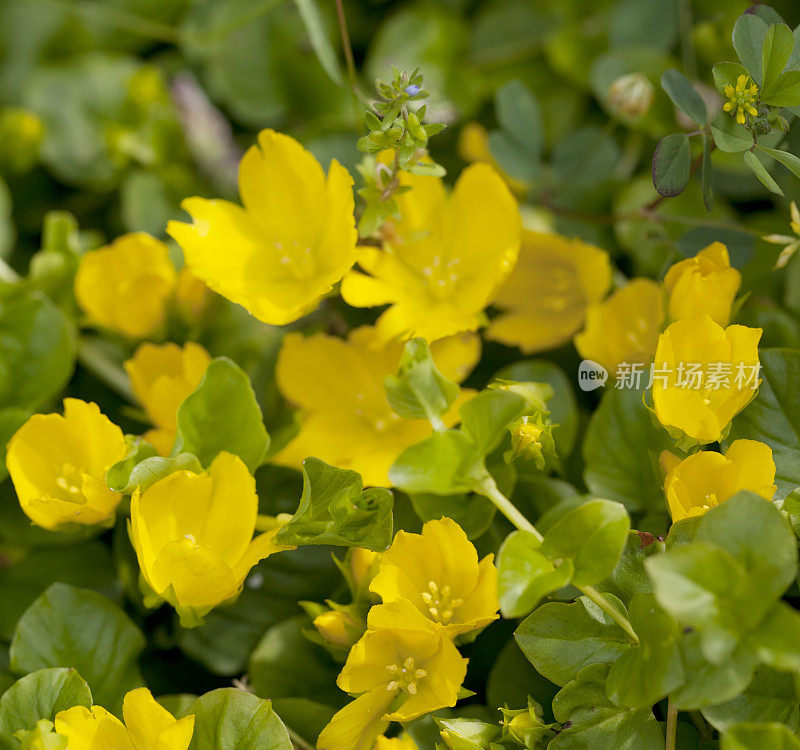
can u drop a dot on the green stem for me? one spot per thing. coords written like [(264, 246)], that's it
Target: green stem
[(347, 47), (489, 489), (672, 726), (592, 593), (94, 359)]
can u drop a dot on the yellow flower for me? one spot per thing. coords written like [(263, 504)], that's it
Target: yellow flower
[(162, 376), (703, 284), (395, 743), (345, 398), (403, 667), (193, 536), (704, 375), (439, 573), (192, 296), (623, 328), (58, 466), (473, 145), (545, 298), (444, 261), (741, 98), (288, 246), (148, 726), (126, 285), (705, 479)]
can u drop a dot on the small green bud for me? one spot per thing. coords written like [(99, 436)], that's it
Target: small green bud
[(21, 134), (43, 737), (525, 727)]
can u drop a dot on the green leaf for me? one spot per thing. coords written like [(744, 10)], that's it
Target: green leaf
[(621, 451), (701, 586), (485, 417), (37, 352), (777, 639), (236, 720), (317, 35), (649, 671), (560, 639), (520, 115), (472, 512), (512, 158), (286, 664), (446, 463), (773, 417), (70, 627), (118, 475), (771, 696), (336, 509), (40, 695), (222, 415), (769, 557), (790, 161), (86, 565), (785, 92), (684, 96), (749, 33), (708, 684), (526, 575), (729, 135), (629, 576), (775, 54), (419, 390), (760, 171), (596, 722), (148, 471), (759, 737), (672, 162)]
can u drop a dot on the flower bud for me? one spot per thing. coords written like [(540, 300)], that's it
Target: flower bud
[(42, 737), (632, 95), (524, 726), (363, 565), (21, 134), (338, 627)]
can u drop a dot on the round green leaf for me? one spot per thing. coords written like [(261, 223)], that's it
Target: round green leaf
[(235, 720)]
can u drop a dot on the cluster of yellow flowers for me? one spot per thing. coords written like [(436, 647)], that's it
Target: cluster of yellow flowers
[(192, 532), (433, 590), (440, 265)]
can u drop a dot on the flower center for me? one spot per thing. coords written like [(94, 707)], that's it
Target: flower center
[(71, 482), (295, 257), (405, 676), (441, 604)]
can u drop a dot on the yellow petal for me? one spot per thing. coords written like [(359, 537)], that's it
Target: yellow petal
[(356, 726), (151, 726), (92, 729)]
